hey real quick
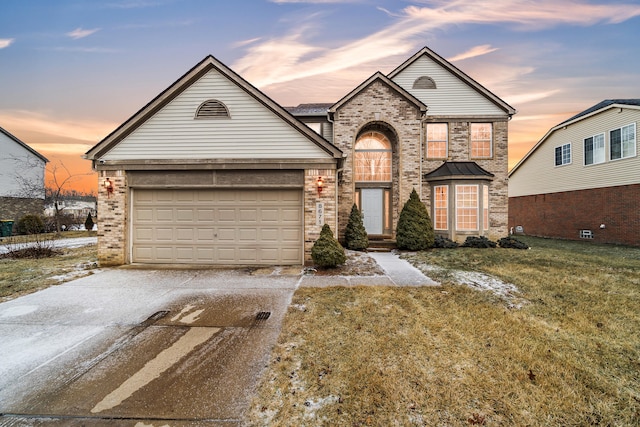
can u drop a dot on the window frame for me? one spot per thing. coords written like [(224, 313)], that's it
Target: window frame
[(635, 143), (562, 155), (475, 208), (446, 141), (440, 206), (593, 150), (476, 140), (386, 159)]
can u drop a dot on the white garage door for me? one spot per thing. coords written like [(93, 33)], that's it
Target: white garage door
[(217, 226)]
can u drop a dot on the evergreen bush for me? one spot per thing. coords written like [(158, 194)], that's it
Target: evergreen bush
[(327, 251), (512, 243), (30, 224), (415, 231), (88, 224), (478, 242), (444, 243), (355, 236)]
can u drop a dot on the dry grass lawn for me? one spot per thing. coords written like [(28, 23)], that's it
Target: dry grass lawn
[(456, 356), (22, 276)]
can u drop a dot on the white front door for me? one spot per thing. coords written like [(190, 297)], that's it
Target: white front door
[(372, 209)]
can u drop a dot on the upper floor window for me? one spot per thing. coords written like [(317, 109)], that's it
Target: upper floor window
[(594, 150), (212, 109), (563, 155), (437, 135), (623, 142), (480, 140), (373, 158), (424, 82)]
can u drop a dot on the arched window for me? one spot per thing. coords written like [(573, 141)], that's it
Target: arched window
[(373, 158), (212, 109), (424, 82)]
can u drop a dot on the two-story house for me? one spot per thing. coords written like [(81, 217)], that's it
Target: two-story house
[(214, 171), (21, 178), (582, 179)]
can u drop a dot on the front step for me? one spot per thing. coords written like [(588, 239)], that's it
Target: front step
[(383, 245)]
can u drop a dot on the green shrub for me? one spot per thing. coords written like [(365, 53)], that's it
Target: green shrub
[(511, 243), (444, 243), (478, 242), (30, 224), (88, 224), (327, 251), (355, 236), (415, 231)]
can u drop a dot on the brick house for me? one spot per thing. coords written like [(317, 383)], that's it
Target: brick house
[(582, 179), (214, 171), (21, 178)]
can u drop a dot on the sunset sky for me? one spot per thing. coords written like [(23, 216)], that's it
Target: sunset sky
[(71, 71)]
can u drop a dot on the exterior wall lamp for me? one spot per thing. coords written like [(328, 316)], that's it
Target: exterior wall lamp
[(108, 185), (319, 184)]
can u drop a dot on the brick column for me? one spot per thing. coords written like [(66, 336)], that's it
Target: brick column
[(112, 219), (328, 197)]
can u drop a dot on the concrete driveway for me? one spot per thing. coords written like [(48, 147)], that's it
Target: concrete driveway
[(130, 347)]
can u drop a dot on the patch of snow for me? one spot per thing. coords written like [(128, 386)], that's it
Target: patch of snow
[(311, 406)]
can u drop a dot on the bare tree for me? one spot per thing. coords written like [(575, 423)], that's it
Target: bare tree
[(57, 189)]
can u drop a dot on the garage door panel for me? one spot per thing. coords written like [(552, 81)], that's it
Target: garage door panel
[(217, 226)]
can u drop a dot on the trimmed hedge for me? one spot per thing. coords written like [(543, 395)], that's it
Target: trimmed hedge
[(415, 231), (355, 236), (511, 243), (478, 242), (327, 251)]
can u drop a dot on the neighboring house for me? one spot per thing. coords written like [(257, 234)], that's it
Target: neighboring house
[(21, 178), (582, 179), (212, 171), (78, 209)]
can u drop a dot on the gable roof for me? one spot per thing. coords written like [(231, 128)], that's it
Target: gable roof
[(385, 80), (200, 69), (458, 170), (458, 73), (25, 146), (591, 111)]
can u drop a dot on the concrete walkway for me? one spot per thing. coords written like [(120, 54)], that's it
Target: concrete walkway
[(400, 271)]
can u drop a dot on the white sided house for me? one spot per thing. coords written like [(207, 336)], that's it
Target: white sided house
[(582, 179), (21, 178), (212, 171)]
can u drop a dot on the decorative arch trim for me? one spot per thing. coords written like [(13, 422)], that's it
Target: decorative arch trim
[(212, 109)]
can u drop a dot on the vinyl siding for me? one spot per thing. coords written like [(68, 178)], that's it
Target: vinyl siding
[(452, 96), (21, 171), (539, 175), (252, 131)]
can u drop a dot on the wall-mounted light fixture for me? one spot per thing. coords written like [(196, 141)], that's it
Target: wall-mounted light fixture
[(319, 184), (108, 185)]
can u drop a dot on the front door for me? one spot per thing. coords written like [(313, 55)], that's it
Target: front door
[(372, 208)]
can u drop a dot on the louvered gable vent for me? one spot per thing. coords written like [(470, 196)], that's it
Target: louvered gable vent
[(424, 82), (212, 109)]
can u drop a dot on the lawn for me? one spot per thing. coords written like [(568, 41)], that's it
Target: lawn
[(22, 276), (454, 355)]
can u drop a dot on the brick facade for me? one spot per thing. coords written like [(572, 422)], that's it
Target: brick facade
[(564, 214), (379, 105), (112, 219), (14, 208)]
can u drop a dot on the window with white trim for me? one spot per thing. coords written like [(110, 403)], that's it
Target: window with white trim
[(441, 207), (563, 155), (466, 207), (485, 207), (622, 142), (594, 149), (437, 135), (480, 140)]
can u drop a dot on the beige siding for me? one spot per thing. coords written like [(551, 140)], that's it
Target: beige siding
[(539, 175), (253, 131), (452, 96)]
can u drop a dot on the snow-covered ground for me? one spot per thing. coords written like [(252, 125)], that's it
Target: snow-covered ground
[(76, 242)]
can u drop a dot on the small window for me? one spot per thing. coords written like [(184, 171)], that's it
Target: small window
[(481, 140), (594, 150), (586, 234), (563, 155), (212, 109), (485, 207), (437, 134), (623, 142), (441, 207), (424, 82)]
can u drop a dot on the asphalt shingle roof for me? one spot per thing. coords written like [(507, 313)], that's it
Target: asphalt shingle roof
[(601, 105)]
